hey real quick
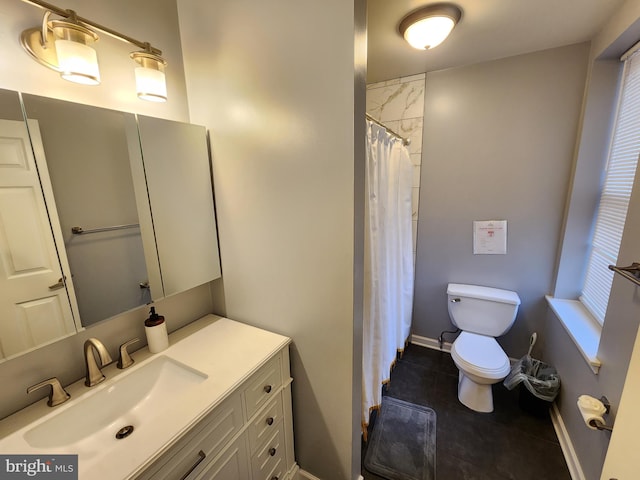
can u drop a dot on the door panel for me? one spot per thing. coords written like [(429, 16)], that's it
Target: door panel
[(32, 313)]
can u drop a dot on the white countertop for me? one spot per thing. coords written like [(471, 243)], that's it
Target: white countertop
[(228, 352)]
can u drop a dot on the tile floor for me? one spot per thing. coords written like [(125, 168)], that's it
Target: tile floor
[(507, 444)]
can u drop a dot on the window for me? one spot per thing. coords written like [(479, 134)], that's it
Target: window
[(616, 192)]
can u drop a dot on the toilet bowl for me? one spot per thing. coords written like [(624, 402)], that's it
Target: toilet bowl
[(482, 313), (481, 363)]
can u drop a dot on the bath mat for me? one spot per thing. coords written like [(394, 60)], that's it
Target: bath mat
[(403, 442)]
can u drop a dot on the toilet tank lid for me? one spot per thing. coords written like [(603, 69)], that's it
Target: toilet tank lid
[(483, 293)]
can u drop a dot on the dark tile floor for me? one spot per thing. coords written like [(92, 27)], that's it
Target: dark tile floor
[(507, 444)]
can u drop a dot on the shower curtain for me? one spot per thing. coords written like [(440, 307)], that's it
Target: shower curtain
[(388, 265)]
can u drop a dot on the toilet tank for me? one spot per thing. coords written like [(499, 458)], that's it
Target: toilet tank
[(483, 310)]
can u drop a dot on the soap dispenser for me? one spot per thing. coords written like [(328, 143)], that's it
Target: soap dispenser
[(156, 330)]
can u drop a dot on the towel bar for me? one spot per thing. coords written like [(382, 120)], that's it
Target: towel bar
[(632, 272), (82, 231)]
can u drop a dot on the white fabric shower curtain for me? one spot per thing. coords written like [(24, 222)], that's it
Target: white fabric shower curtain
[(388, 264)]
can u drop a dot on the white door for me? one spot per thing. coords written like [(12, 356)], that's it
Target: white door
[(622, 461), (34, 306)]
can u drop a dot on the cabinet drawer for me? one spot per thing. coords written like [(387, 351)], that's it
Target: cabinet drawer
[(265, 423), (262, 386), (277, 473), (268, 462), (204, 442), (231, 465)]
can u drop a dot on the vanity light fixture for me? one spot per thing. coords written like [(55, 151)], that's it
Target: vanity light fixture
[(65, 46), (430, 25), (150, 80)]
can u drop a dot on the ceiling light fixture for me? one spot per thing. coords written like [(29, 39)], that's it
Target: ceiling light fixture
[(430, 25), (65, 46)]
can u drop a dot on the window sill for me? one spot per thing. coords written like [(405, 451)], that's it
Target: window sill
[(583, 329)]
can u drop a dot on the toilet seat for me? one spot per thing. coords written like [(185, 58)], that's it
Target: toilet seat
[(480, 355)]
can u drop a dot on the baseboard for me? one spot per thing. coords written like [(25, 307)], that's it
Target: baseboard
[(432, 343), (303, 475), (566, 445)]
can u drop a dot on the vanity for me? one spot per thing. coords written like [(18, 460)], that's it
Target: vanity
[(215, 405)]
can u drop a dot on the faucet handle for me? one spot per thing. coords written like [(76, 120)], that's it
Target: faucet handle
[(125, 360), (57, 395)]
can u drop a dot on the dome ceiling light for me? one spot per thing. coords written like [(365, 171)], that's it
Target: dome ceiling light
[(430, 25)]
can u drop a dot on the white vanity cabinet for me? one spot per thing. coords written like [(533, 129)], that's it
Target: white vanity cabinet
[(247, 436), (218, 407)]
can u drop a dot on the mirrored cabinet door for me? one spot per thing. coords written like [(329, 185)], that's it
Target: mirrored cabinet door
[(101, 212), (86, 152), (177, 169)]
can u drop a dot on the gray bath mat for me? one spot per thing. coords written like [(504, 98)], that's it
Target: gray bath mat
[(403, 442)]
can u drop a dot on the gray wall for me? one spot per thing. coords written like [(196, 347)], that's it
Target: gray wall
[(616, 344), (498, 145), (277, 93), (621, 322)]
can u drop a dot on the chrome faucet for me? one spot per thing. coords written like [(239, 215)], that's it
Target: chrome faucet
[(94, 374)]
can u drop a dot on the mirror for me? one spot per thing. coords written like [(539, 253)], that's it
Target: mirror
[(34, 304), (184, 225), (99, 170), (86, 152)]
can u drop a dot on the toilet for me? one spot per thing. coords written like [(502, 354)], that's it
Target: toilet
[(482, 313)]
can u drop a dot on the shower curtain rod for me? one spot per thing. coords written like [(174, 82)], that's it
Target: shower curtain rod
[(405, 141)]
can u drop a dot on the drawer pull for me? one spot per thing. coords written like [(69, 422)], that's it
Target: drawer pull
[(270, 421), (201, 457), (274, 478), (272, 451), (267, 388)]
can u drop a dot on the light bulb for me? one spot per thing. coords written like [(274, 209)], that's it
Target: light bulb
[(429, 32), (151, 84), (77, 62)]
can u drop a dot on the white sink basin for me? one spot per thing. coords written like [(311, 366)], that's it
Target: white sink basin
[(135, 400)]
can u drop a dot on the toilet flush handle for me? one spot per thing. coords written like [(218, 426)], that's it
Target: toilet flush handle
[(455, 300)]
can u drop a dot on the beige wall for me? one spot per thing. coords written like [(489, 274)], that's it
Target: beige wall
[(149, 20), (146, 20), (277, 92), (498, 145)]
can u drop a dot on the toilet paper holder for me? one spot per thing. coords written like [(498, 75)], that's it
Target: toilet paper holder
[(597, 423)]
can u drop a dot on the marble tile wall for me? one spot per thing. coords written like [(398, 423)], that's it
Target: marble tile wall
[(399, 104)]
